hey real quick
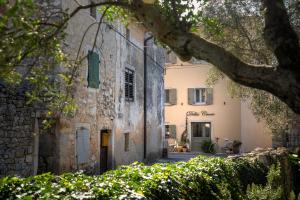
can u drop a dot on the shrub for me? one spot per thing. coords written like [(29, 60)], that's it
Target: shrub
[(208, 146), (199, 178), (272, 190)]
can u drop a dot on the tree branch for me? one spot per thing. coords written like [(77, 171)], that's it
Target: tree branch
[(281, 83), (279, 35)]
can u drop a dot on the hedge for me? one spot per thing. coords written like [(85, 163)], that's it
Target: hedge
[(199, 178)]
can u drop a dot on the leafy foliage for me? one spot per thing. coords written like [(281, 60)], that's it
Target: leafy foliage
[(208, 146), (31, 55), (273, 189), (237, 26), (264, 106), (200, 178)]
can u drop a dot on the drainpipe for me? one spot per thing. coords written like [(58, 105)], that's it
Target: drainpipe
[(145, 94)]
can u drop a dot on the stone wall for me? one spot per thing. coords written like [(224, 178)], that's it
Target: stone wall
[(98, 109), (16, 134), (155, 100), (268, 157), (105, 108)]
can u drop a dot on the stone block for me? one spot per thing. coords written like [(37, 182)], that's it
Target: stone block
[(19, 153), (29, 159), (9, 161), (29, 150)]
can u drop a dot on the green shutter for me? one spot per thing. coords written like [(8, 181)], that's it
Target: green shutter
[(93, 67)]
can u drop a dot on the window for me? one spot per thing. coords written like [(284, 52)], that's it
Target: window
[(129, 84), (93, 70), (93, 11), (170, 131), (200, 96), (201, 129), (170, 96), (126, 143)]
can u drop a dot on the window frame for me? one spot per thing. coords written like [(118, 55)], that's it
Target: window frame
[(129, 93), (203, 134)]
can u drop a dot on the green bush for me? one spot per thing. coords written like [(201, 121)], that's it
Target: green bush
[(199, 178), (271, 191), (208, 146)]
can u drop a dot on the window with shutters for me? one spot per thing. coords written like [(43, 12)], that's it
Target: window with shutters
[(126, 142), (129, 84), (200, 96), (93, 70), (93, 10), (170, 131)]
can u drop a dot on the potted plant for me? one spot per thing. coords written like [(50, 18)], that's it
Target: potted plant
[(185, 142), (208, 146), (236, 146), (185, 148)]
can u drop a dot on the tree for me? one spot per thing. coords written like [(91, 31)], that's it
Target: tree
[(179, 24), (173, 23), (31, 53), (238, 30)]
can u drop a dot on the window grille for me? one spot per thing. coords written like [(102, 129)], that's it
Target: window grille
[(129, 84)]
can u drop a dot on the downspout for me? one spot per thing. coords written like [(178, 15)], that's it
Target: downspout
[(145, 94)]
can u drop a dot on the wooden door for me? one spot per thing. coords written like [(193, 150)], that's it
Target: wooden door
[(104, 151)]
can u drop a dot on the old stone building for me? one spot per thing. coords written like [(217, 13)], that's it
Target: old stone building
[(119, 97)]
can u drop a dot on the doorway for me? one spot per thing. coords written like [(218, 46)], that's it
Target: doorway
[(200, 131), (104, 150)]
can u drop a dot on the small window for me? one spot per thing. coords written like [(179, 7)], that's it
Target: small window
[(93, 10), (129, 84), (200, 95), (126, 142), (201, 129), (93, 70), (170, 131)]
